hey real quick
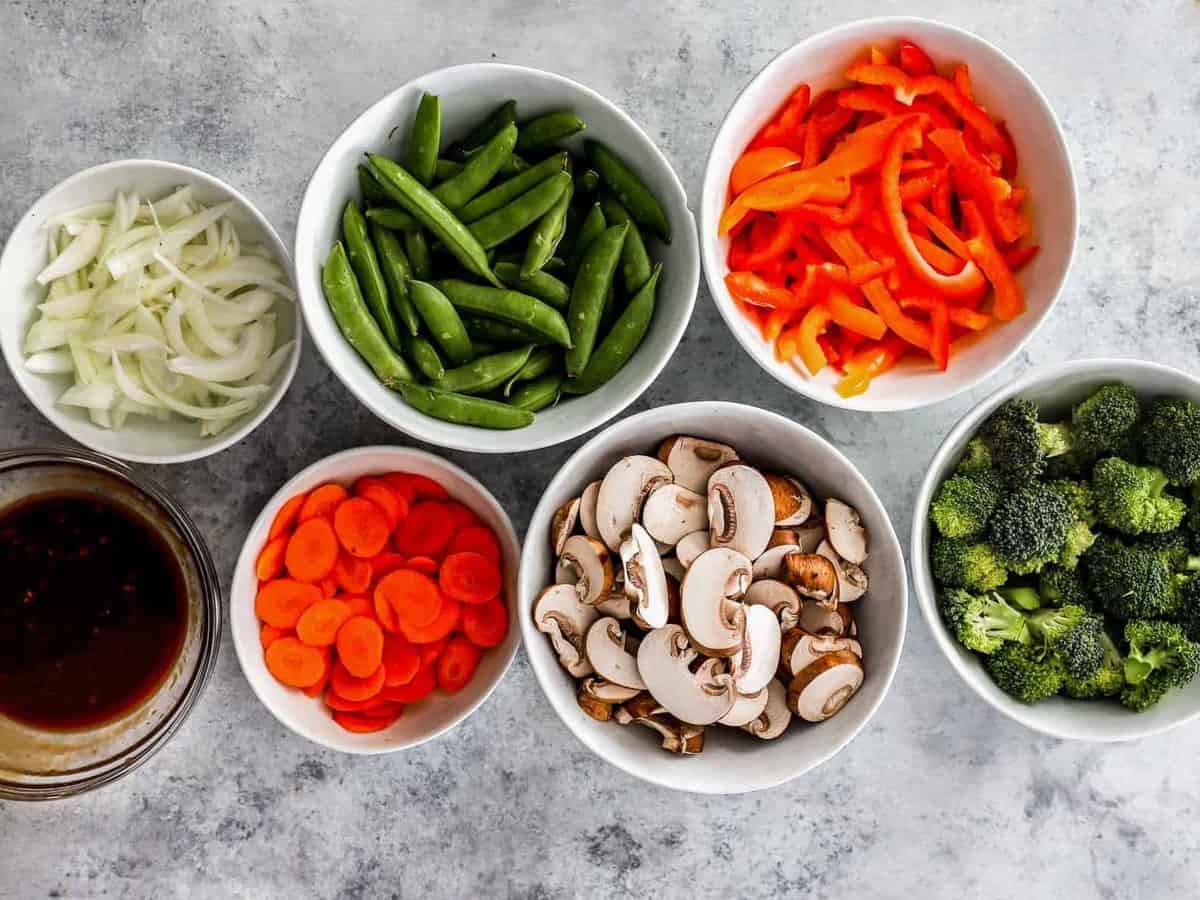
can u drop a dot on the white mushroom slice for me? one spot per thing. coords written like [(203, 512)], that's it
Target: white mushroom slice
[(698, 698), (775, 717), (559, 614), (817, 618), (745, 709), (778, 597), (844, 529), (754, 665), (677, 737), (693, 460), (852, 578), (585, 563), (562, 526), (645, 580), (800, 648), (606, 690), (691, 546), (741, 510), (709, 607), (619, 499), (673, 567), (813, 576), (616, 603), (770, 564), (825, 685), (611, 654), (587, 510), (793, 502), (809, 535), (671, 512)]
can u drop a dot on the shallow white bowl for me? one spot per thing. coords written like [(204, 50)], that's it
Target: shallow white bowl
[(468, 93), (1055, 389), (732, 762), (1009, 94), (436, 714), (141, 440)]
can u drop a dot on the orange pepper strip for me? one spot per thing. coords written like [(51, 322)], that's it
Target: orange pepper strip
[(871, 99), (861, 199), (814, 324), (757, 291), (1009, 300), (755, 165), (870, 362), (777, 320), (940, 259), (975, 178), (941, 230), (939, 323), (1021, 257), (784, 192), (969, 319), (850, 315)]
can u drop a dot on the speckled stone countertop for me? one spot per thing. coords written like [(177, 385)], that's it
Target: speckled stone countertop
[(938, 797)]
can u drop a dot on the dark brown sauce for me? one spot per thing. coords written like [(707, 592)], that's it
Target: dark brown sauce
[(93, 611)]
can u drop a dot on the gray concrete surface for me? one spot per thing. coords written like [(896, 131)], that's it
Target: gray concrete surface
[(938, 797)]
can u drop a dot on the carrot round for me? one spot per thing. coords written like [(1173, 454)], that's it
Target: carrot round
[(322, 501), (401, 660), (353, 574), (360, 645), (311, 550), (362, 724), (360, 604), (280, 602), (485, 624), (469, 577), (426, 531), (318, 625), (431, 651), (382, 563), (361, 527), (295, 664), (457, 664), (286, 517), (334, 700), (347, 686), (385, 614), (270, 559), (329, 586), (420, 687), (316, 690), (269, 634), (426, 565), (391, 502), (447, 620), (417, 486), (463, 516), (476, 539), (415, 597), (383, 709)]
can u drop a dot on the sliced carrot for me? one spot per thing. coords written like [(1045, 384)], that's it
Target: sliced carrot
[(393, 504), (420, 687), (385, 562), (417, 486), (286, 517), (353, 574), (384, 709), (311, 550), (485, 624), (322, 501), (401, 660), (270, 559), (470, 577), (431, 652), (269, 634), (426, 565), (318, 625), (346, 685), (457, 664), (360, 604), (476, 539), (449, 617), (463, 515), (280, 602), (385, 614), (361, 527), (316, 690), (358, 723), (328, 585), (427, 530), (336, 701), (415, 597), (295, 664), (360, 645)]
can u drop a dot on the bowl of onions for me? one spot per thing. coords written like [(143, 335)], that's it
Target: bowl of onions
[(148, 311)]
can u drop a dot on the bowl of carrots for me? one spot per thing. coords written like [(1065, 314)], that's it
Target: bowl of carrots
[(371, 604), (888, 213)]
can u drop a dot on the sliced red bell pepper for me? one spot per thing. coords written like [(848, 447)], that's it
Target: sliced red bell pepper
[(1008, 155), (870, 362), (940, 258), (938, 311), (755, 165), (757, 291), (814, 324), (784, 192), (941, 203), (776, 320), (937, 114), (969, 318), (919, 187), (871, 99), (975, 178), (1021, 257), (915, 61), (795, 108), (962, 81), (832, 355), (862, 197), (941, 230), (878, 56), (820, 130), (1009, 300), (848, 314), (766, 250)]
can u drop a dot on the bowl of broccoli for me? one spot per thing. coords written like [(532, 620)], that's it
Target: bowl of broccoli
[(1056, 549)]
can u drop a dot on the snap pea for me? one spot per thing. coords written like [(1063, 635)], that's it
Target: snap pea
[(541, 284), (635, 261), (547, 233), (547, 129), (425, 355), (508, 306), (483, 348), (587, 182), (633, 194), (538, 394), (432, 213), (504, 114), (462, 409), (372, 193), (446, 168), (511, 189), (359, 327), (497, 227), (484, 331), (392, 217), (424, 139), (588, 293), (621, 342), (480, 169), (539, 363), (417, 249), (442, 321), (396, 273), (514, 165), (486, 372), (593, 224), (366, 267)]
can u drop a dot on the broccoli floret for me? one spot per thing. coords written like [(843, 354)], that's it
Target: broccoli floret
[(1074, 465), (1082, 648), (1107, 681), (966, 564), (1053, 624), (1026, 672), (1021, 596), (1130, 498), (1174, 548), (977, 459), (1130, 582), (1160, 657), (1079, 540), (1059, 586), (1079, 497), (982, 623), (1019, 443), (962, 505), (1171, 439), (1103, 422), (1192, 522), (1189, 607), (1029, 527)]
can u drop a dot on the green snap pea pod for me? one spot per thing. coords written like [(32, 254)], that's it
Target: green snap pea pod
[(509, 190), (593, 224), (357, 325), (508, 306), (479, 170), (417, 249), (547, 233), (485, 372), (424, 139), (497, 227), (633, 194), (514, 165), (547, 129), (588, 293), (392, 218), (536, 395), (442, 321), (366, 266), (635, 261), (464, 410), (425, 355), (373, 194), (504, 114), (555, 264), (539, 363), (492, 331), (446, 168), (397, 271), (621, 342), (433, 214), (483, 348), (542, 284), (587, 182)]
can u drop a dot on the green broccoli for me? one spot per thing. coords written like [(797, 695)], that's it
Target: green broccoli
[(1160, 657), (1054, 623), (1019, 443), (1057, 585), (1130, 582), (1075, 465), (982, 623), (976, 460), (1021, 596), (1192, 522), (1108, 679), (1081, 648), (960, 562), (1189, 607), (1079, 540), (1029, 527), (1026, 672), (1171, 439), (1079, 497), (1175, 549), (1103, 422), (962, 505), (1130, 498)]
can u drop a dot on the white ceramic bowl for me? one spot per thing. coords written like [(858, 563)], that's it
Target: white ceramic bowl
[(141, 440), (422, 721), (468, 93), (1055, 389), (732, 763), (1009, 94)]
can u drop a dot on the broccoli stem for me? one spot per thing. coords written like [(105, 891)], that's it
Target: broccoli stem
[(1024, 597)]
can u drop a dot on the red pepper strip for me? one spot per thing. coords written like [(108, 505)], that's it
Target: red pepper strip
[(822, 105), (962, 81), (934, 110), (917, 165), (975, 178), (796, 107), (783, 192), (916, 229), (831, 352), (1019, 258), (961, 284), (1009, 301), (1008, 154), (944, 232), (767, 251), (755, 165), (776, 321), (939, 323), (820, 130), (850, 315), (870, 362), (861, 198), (916, 188), (915, 61), (757, 291), (814, 323), (941, 259), (878, 56), (969, 319), (869, 99), (941, 203)]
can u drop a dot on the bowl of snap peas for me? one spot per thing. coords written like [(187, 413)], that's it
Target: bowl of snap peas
[(495, 258)]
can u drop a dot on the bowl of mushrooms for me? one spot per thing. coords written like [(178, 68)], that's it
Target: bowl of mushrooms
[(712, 597)]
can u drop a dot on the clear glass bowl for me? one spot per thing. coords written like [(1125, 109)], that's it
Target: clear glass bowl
[(39, 764)]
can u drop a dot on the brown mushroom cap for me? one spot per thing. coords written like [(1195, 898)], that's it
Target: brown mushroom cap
[(692, 460), (562, 525), (671, 512), (812, 575), (775, 717), (793, 502), (587, 564), (825, 686)]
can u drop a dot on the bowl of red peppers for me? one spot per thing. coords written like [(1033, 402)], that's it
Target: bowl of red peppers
[(889, 212)]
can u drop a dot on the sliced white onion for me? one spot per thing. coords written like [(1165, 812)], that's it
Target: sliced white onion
[(171, 240), (97, 395), (80, 252), (51, 362), (249, 354), (68, 306), (46, 334)]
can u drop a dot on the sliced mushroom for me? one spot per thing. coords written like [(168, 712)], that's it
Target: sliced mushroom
[(587, 510), (825, 685), (691, 546), (606, 690), (701, 697), (585, 563), (677, 737), (616, 603), (818, 618), (778, 597), (672, 512), (754, 664), (559, 613), (800, 648), (562, 526), (645, 580), (621, 493), (775, 717), (612, 654), (809, 535), (596, 709), (693, 460), (771, 563), (709, 610), (852, 578), (793, 502), (845, 531), (673, 567), (813, 576), (741, 510), (745, 709)]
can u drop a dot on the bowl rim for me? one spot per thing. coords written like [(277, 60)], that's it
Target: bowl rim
[(270, 237), (966, 667), (545, 509), (466, 437), (243, 572), (713, 264)]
